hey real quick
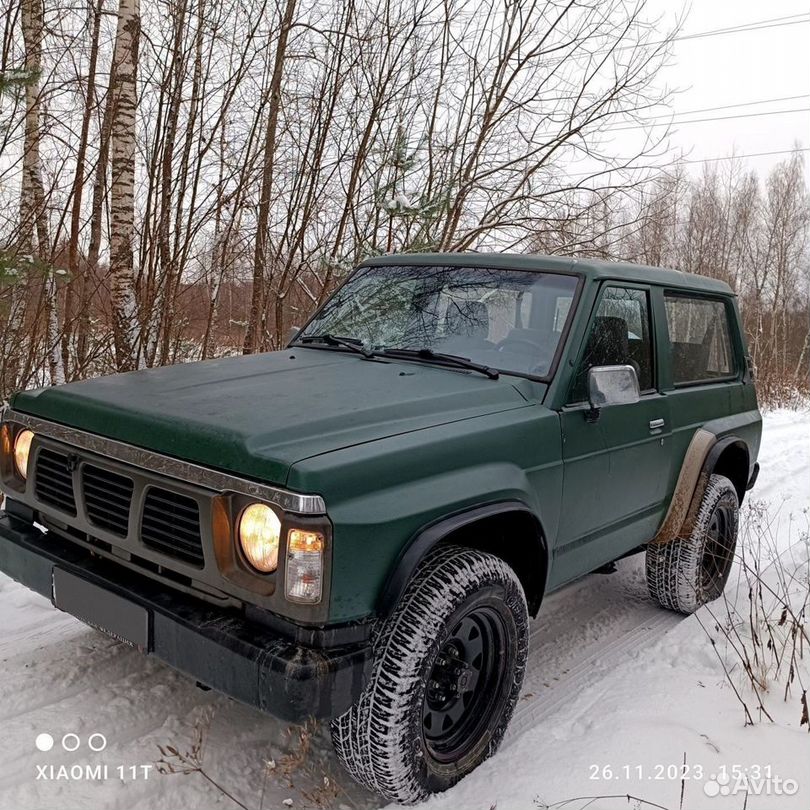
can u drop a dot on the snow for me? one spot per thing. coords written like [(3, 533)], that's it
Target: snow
[(618, 692)]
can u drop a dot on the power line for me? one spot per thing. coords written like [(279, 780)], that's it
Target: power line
[(774, 22), (598, 172), (654, 122), (749, 155), (759, 25), (739, 29), (742, 104)]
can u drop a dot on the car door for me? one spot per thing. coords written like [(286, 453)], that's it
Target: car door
[(616, 462)]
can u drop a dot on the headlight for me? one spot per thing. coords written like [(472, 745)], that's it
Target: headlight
[(304, 579), (22, 449), (259, 534)]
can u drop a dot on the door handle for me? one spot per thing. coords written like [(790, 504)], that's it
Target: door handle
[(656, 424)]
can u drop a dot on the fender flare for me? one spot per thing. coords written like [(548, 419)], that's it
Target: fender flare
[(433, 534), (699, 463)]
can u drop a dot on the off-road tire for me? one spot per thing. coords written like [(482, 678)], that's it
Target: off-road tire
[(382, 740), (688, 572)]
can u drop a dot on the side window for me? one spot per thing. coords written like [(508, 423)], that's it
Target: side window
[(699, 339), (619, 335)]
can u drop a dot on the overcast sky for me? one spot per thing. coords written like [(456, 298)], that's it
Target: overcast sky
[(736, 68)]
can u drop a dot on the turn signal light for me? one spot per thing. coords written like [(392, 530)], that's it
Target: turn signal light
[(304, 577)]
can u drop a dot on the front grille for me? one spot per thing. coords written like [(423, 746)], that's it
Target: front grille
[(170, 523), (107, 498), (53, 481)]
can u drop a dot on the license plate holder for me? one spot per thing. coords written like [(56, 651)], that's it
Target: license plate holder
[(106, 611)]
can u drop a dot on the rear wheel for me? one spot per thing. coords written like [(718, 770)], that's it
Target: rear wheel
[(688, 572), (448, 669)]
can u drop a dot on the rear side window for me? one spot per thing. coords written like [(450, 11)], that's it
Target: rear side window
[(699, 339)]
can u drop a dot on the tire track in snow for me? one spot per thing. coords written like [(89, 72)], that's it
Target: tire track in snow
[(127, 721), (82, 667), (592, 626)]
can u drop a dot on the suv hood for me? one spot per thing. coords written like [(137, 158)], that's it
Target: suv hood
[(258, 415)]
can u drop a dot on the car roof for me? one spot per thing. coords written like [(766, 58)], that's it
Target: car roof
[(594, 269)]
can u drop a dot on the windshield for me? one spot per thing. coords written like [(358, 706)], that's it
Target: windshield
[(510, 320)]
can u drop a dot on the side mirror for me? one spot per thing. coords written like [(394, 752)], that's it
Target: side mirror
[(292, 334), (611, 385)]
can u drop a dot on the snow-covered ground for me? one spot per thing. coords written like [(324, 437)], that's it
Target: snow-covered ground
[(617, 694)]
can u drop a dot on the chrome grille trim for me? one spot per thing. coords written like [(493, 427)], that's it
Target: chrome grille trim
[(168, 466)]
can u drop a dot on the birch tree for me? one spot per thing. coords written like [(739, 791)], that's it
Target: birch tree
[(77, 290), (33, 220), (34, 241), (123, 93)]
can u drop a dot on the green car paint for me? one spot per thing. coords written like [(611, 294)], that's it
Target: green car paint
[(396, 445), (257, 415)]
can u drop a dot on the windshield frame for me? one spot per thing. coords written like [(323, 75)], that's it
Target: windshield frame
[(561, 343)]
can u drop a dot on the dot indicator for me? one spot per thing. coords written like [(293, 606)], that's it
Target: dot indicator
[(71, 742), (97, 742), (44, 742)]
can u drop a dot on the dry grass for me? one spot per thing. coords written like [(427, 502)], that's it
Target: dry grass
[(301, 772), (759, 627)]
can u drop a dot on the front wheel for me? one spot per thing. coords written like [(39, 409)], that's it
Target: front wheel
[(688, 572), (448, 670)]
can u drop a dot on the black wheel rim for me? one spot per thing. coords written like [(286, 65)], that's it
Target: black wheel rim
[(464, 685), (718, 548)]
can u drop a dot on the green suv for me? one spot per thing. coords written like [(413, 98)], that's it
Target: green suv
[(358, 527)]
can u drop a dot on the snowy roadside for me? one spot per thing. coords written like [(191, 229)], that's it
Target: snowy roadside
[(617, 693)]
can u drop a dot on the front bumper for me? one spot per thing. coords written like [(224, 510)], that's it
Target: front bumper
[(215, 646)]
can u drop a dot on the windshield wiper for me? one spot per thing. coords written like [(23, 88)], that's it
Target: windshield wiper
[(440, 357), (355, 344)]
